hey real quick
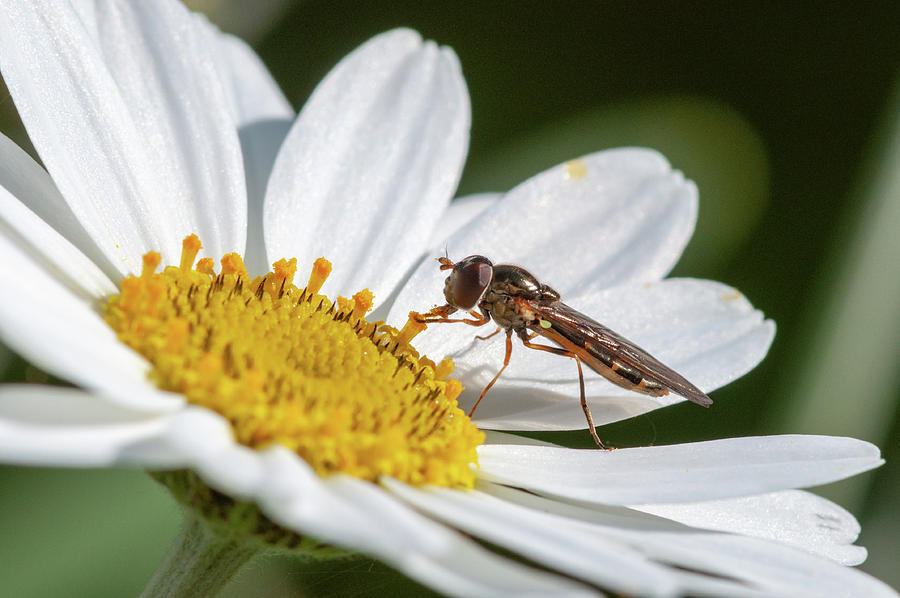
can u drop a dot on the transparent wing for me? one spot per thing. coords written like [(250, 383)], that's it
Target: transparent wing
[(612, 355)]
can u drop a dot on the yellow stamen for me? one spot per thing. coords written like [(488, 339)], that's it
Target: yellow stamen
[(362, 303), (284, 270), (321, 270), (206, 265), (454, 387), (232, 263), (412, 327), (285, 365), (151, 261), (444, 369), (190, 247)]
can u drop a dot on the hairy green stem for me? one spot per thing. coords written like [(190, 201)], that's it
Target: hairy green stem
[(201, 562)]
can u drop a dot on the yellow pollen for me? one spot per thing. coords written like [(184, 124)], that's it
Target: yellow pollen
[(286, 365), (232, 263), (284, 270), (362, 302), (575, 169), (206, 265)]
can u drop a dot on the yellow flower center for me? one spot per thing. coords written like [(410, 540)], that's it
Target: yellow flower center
[(286, 365)]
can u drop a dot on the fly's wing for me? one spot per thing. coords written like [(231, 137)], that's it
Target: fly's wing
[(612, 355)]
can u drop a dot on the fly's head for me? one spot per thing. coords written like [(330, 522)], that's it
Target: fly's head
[(468, 281)]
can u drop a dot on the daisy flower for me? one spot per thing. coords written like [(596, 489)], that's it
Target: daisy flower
[(282, 415)]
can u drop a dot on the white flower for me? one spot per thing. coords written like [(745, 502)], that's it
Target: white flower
[(140, 112)]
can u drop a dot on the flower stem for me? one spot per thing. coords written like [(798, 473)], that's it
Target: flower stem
[(201, 562)]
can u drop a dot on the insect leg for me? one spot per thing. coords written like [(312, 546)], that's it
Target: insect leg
[(505, 363), (494, 333), (584, 405), (438, 315)]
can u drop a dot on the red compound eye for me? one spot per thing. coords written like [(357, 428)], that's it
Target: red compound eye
[(468, 281)]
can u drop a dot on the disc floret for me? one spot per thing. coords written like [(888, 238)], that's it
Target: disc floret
[(287, 365)]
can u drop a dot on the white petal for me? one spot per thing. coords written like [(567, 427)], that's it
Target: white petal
[(28, 182), (49, 326), (166, 72), (371, 163), (263, 116), (704, 586), (260, 142), (538, 536), (55, 254), (65, 427), (460, 212), (626, 219), (704, 330), (251, 92), (79, 125), (453, 564), (235, 470), (132, 125), (362, 517), (608, 218), (468, 570), (199, 433), (762, 565), (294, 496), (205, 440), (613, 516), (87, 12), (679, 473), (793, 517)]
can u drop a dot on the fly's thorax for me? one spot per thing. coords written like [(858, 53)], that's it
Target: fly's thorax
[(516, 282), (510, 294), (508, 311)]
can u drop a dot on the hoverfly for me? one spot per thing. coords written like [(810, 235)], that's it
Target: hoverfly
[(517, 302)]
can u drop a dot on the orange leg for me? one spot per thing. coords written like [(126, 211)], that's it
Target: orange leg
[(505, 363), (438, 315), (491, 335), (584, 405)]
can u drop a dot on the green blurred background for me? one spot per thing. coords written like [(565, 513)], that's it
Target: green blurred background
[(786, 114)]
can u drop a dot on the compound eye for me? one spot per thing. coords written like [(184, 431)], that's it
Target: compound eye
[(471, 278)]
